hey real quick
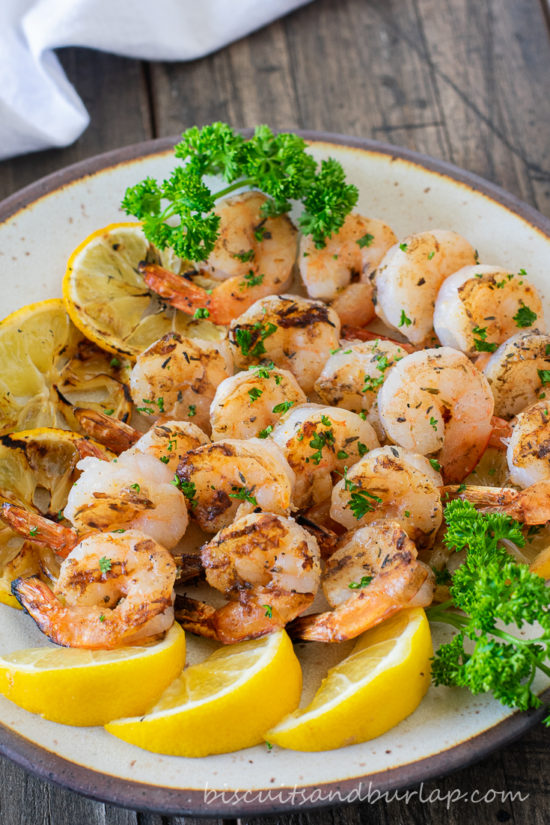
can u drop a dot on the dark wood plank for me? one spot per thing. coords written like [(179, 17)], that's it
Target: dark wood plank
[(114, 92)]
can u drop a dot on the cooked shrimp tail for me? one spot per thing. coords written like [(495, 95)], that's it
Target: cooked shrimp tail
[(196, 617), (179, 291), (406, 585), (360, 334), (529, 506), (112, 590), (112, 433), (189, 566), (38, 529), (326, 539), (501, 430), (87, 448)]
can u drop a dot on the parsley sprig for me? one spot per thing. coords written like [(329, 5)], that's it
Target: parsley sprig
[(490, 588), (178, 212)]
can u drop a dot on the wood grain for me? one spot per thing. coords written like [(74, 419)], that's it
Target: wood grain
[(464, 80)]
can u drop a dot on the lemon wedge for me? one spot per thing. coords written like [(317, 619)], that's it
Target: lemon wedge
[(48, 366), (109, 301), (90, 687), (223, 704), (380, 683)]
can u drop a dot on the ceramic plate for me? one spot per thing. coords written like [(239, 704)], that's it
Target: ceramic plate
[(39, 228)]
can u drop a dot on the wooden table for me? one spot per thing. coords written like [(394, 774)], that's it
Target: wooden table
[(463, 80)]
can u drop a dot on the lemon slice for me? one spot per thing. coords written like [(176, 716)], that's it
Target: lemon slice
[(491, 470), (37, 471), (378, 685), (47, 365), (223, 704), (90, 687), (108, 299)]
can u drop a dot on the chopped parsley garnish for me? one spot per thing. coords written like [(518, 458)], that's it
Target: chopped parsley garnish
[(321, 440), (243, 494), (341, 454), (101, 617), (263, 370), (362, 449), (191, 411), (244, 257), (431, 254), (404, 320), (108, 412), (403, 247), (165, 459), (114, 362), (189, 490), (525, 317), (252, 280), (361, 502), (269, 615), (254, 394), (266, 432), (366, 240), (371, 384), (105, 564), (363, 582), (252, 343), (202, 312), (544, 376), (433, 422), (33, 531), (480, 343), (283, 407), (146, 410), (435, 464), (135, 487)]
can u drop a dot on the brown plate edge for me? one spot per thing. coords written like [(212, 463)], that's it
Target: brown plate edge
[(170, 801)]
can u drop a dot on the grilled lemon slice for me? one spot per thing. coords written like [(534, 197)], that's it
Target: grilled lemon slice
[(109, 301), (47, 366)]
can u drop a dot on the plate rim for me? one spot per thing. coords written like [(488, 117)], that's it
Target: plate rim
[(191, 802)]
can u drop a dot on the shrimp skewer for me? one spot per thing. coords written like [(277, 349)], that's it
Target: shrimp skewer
[(371, 576), (253, 257), (269, 569), (112, 590)]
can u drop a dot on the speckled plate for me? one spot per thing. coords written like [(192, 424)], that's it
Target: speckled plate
[(39, 228)]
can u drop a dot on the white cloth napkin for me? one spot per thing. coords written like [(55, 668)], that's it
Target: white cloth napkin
[(39, 107)]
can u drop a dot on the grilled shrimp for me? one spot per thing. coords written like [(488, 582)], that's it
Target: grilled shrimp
[(391, 483), (529, 506), (267, 566), (177, 377), (112, 590), (409, 277), (318, 441), (253, 257), (295, 333), (372, 574), (167, 441), (250, 403), (341, 271), (135, 491), (353, 375), (519, 371), (40, 530), (528, 452), (479, 307), (230, 478), (436, 402)]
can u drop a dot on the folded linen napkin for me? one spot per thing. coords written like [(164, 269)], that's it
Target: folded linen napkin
[(39, 107)]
